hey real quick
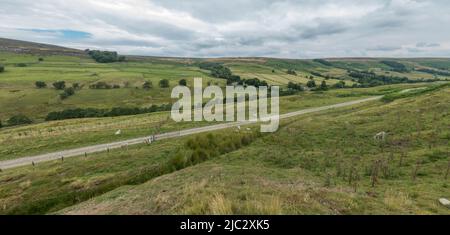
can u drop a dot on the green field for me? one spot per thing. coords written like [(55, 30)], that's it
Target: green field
[(321, 163)]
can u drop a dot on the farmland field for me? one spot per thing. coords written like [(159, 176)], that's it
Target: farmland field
[(319, 163)]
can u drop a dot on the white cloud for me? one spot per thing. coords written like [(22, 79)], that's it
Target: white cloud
[(288, 28)]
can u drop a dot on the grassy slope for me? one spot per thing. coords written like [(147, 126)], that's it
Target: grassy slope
[(52, 136), (19, 95), (305, 168)]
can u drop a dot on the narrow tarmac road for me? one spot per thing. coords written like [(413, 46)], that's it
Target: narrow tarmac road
[(120, 144)]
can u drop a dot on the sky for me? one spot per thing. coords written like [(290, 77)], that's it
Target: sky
[(236, 28)]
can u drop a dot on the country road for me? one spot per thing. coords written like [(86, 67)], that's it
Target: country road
[(104, 147)]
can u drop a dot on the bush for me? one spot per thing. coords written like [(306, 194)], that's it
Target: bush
[(100, 85), (59, 85), (67, 93), (1, 125), (147, 85), (40, 84), (311, 84), (21, 65), (76, 86), (19, 120), (164, 83), (323, 86), (292, 72), (295, 86), (2, 68), (182, 82), (340, 84), (41, 59)]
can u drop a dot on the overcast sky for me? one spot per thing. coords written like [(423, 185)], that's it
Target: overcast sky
[(217, 28)]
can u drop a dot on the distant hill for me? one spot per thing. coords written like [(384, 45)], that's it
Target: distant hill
[(17, 46)]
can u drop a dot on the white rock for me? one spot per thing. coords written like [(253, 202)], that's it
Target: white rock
[(118, 132), (444, 202)]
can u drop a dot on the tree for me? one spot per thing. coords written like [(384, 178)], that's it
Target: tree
[(164, 83), (311, 84), (67, 93), (59, 85), (76, 86), (1, 125), (41, 59), (2, 68), (19, 120), (323, 85), (340, 84), (182, 82), (40, 84), (147, 85), (105, 56), (292, 72)]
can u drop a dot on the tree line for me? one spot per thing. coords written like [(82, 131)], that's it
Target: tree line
[(105, 56), (114, 112)]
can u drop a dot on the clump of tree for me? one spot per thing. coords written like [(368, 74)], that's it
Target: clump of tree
[(164, 83), (220, 71), (371, 79), (2, 68), (295, 86), (105, 56), (147, 85), (324, 62), (323, 86), (291, 72), (68, 92), (19, 119), (311, 84), (114, 112), (40, 84), (395, 66), (434, 72), (253, 82), (59, 85), (338, 85)]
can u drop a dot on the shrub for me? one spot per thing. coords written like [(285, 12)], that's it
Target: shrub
[(67, 93), (164, 83), (340, 84), (182, 82), (76, 86), (59, 85), (295, 86), (147, 85), (41, 59), (100, 85), (323, 86), (1, 125), (2, 68), (40, 84), (21, 65), (311, 84), (292, 72), (19, 120)]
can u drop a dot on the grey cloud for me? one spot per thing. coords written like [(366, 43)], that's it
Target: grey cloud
[(279, 28)]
